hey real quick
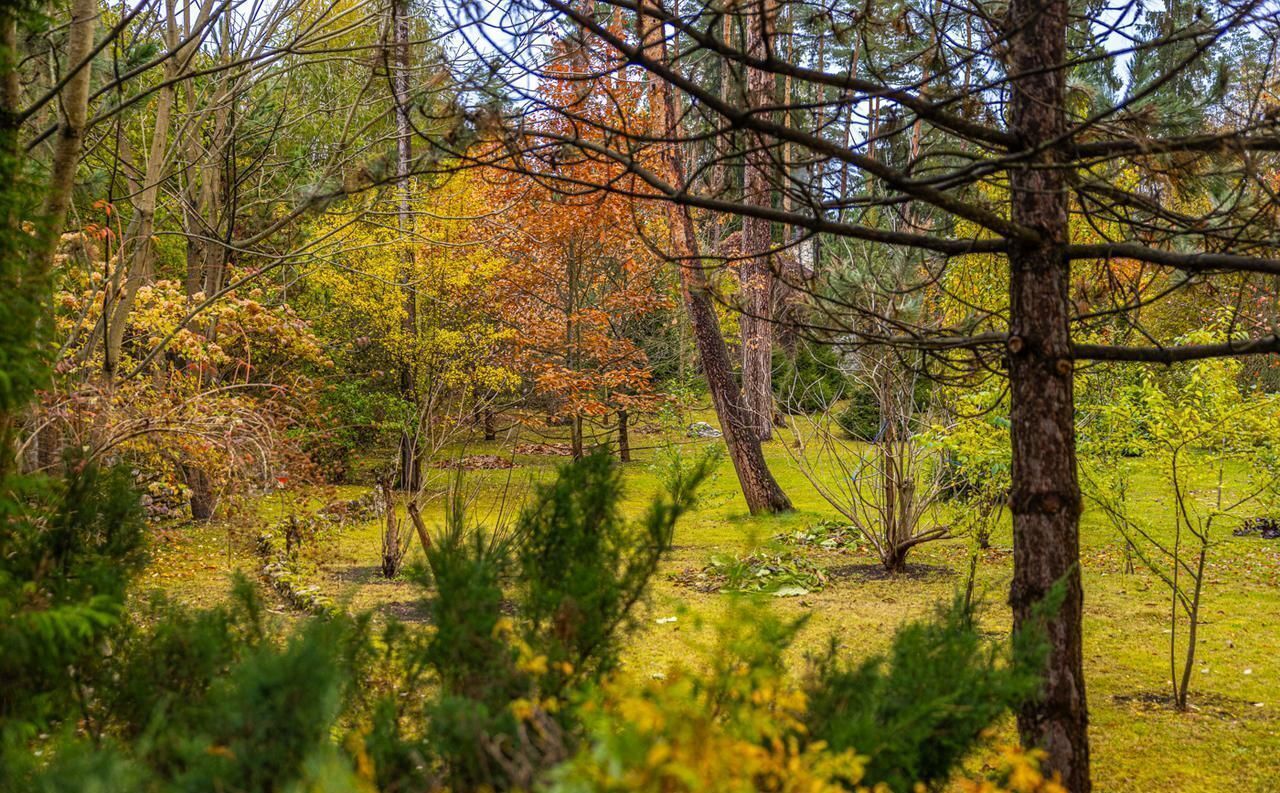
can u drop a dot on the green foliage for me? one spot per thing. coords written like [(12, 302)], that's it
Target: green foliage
[(358, 415), (860, 417), (917, 712), (206, 702), (582, 568), (735, 720), (24, 292), (469, 652), (824, 535), (730, 722), (978, 449), (271, 716), (781, 574), (808, 380), (67, 552)]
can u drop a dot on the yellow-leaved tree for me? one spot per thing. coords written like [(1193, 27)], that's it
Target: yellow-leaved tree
[(410, 314)]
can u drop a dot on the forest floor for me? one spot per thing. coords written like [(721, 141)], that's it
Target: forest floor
[(1228, 741)]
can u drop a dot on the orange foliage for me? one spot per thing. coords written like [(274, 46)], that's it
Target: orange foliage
[(580, 276)]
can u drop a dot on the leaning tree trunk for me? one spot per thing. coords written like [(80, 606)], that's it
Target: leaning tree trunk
[(1046, 494), (756, 272), (760, 489)]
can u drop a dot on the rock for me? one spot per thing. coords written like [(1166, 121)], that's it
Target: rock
[(701, 429), (1266, 528)]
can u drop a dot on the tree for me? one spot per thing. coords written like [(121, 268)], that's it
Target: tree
[(580, 276), (756, 269), (455, 346)]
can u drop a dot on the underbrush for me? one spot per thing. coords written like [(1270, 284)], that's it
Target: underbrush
[(780, 573), (515, 685)]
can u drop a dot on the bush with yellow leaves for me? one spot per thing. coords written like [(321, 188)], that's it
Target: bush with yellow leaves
[(739, 725)]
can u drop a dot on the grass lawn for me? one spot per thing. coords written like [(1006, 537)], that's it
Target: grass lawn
[(1230, 741)]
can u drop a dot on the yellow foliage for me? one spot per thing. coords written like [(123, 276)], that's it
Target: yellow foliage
[(445, 264)]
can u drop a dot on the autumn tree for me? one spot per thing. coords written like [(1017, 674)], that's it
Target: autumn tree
[(446, 336), (581, 276), (540, 148)]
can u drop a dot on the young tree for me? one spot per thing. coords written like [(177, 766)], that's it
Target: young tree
[(580, 274)]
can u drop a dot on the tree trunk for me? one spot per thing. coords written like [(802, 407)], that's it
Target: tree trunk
[(410, 465), (490, 429), (203, 499), (1046, 494), (575, 437), (74, 100), (759, 488), (141, 230), (624, 437), (756, 270)]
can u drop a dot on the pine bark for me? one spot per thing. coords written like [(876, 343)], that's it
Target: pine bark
[(756, 269), (1045, 499)]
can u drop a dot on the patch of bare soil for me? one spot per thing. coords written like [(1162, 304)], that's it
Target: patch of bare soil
[(1198, 704), (876, 572)]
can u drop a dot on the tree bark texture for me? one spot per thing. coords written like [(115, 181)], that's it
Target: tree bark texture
[(1045, 499), (756, 268)]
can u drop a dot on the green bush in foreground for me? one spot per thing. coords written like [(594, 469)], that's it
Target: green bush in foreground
[(516, 685)]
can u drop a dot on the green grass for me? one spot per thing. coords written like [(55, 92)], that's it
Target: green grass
[(1230, 741)]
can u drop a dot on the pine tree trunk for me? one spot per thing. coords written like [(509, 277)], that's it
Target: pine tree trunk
[(624, 437), (756, 271), (1046, 494), (410, 465), (759, 488)]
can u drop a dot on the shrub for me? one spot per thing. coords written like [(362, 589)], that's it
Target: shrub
[(782, 574), (917, 712), (582, 569), (731, 723), (734, 720), (808, 380), (860, 417), (67, 552)]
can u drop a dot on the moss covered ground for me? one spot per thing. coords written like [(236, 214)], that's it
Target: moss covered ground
[(1228, 741)]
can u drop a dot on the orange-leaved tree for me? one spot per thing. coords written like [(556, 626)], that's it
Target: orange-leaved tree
[(581, 280)]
